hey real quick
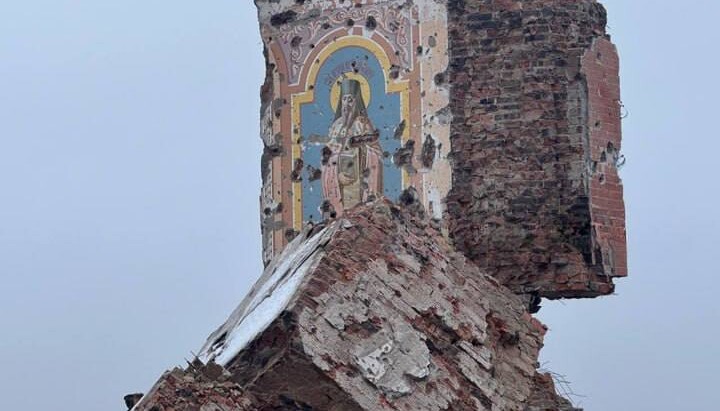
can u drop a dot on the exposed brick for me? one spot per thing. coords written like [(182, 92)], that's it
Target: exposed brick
[(533, 109), (390, 317)]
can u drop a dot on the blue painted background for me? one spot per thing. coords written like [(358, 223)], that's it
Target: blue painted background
[(316, 118)]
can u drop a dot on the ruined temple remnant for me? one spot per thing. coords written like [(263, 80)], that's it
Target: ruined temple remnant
[(504, 116), (431, 170)]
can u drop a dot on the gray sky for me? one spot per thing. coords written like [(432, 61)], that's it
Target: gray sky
[(129, 181)]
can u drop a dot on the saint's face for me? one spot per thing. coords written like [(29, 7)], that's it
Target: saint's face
[(348, 104)]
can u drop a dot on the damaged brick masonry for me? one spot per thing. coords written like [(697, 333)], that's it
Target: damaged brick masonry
[(536, 199), (376, 311), (432, 170), (503, 115)]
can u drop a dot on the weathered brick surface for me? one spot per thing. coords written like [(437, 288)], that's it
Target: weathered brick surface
[(544, 397), (390, 317), (195, 389), (600, 66), (533, 109)]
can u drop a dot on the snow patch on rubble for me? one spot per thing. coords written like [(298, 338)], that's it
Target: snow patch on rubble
[(267, 299)]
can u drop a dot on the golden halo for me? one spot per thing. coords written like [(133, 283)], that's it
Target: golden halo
[(335, 91)]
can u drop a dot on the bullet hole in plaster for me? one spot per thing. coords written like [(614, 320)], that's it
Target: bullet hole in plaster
[(296, 174), (328, 210), (409, 196), (283, 18), (400, 130), (313, 173), (277, 105), (326, 154), (444, 115), (394, 72), (274, 150), (290, 234), (429, 150), (403, 156)]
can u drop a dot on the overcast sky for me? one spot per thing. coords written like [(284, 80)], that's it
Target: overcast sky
[(129, 181)]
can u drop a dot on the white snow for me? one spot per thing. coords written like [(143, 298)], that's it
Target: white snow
[(267, 299)]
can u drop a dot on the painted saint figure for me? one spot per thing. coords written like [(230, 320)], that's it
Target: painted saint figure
[(352, 171)]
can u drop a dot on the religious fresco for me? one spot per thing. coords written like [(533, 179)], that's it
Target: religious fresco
[(348, 134), (353, 109)]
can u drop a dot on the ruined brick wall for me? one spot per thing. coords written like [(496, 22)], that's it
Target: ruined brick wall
[(600, 69), (536, 199), (198, 388), (387, 317), (505, 153)]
